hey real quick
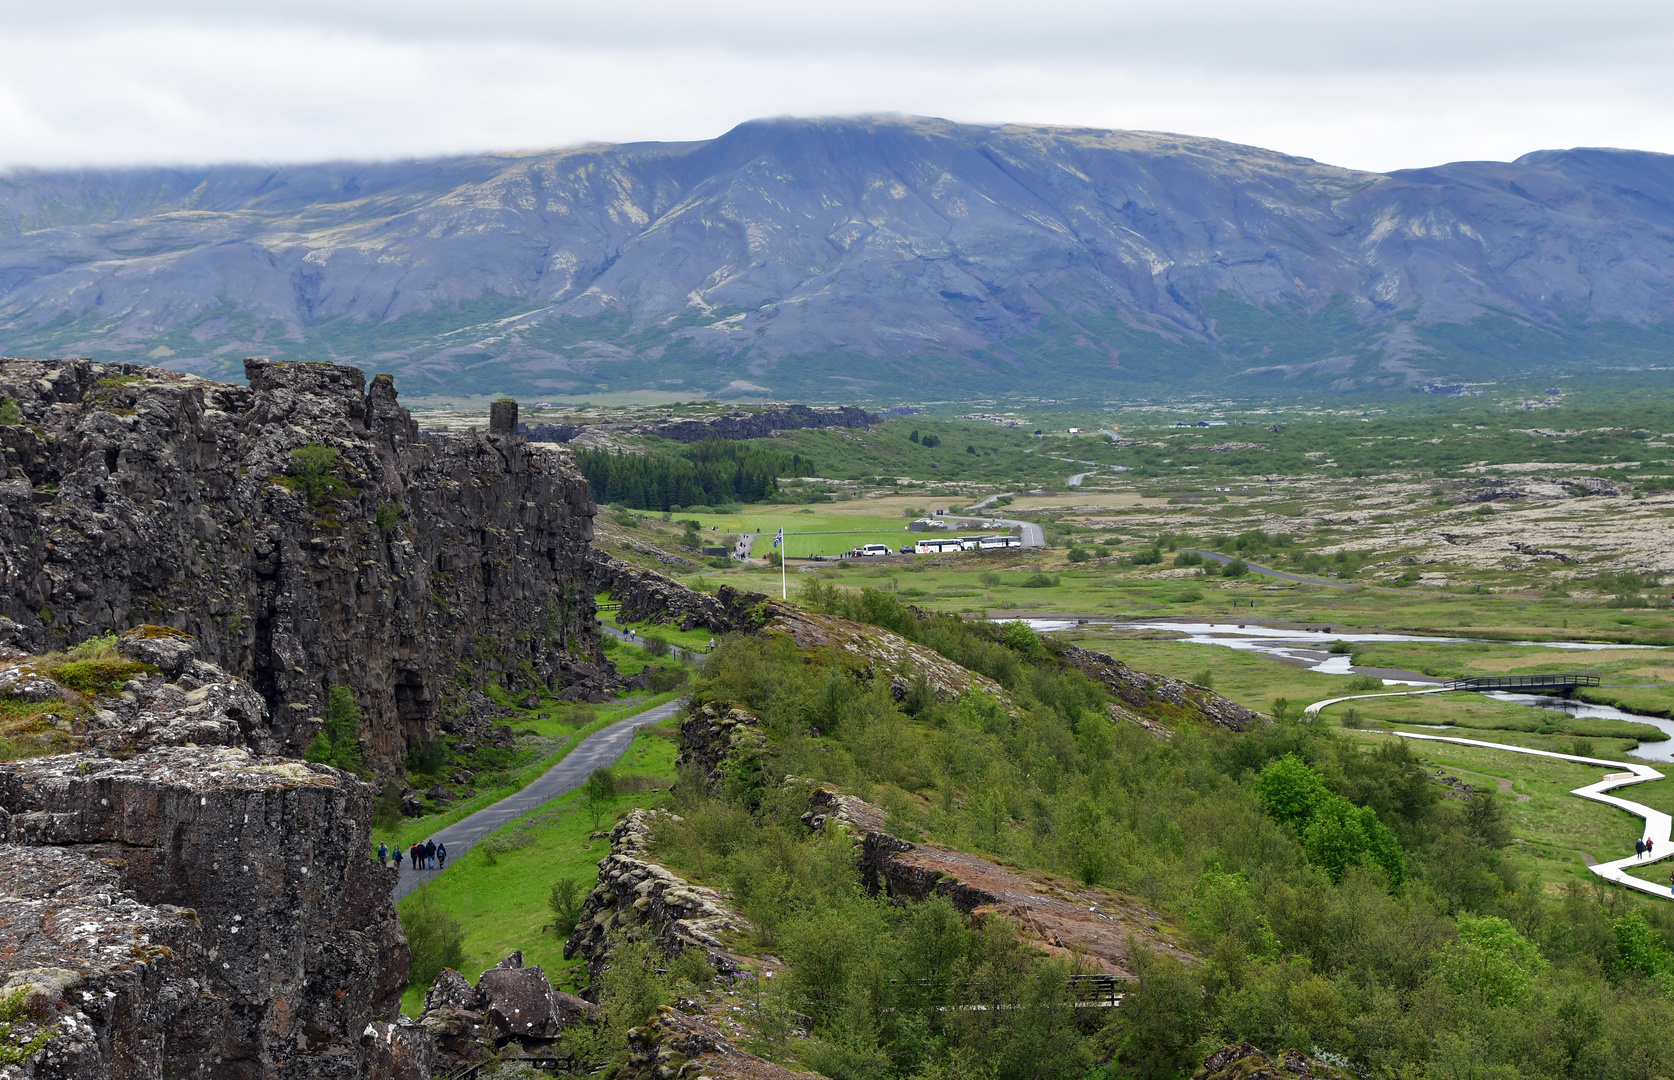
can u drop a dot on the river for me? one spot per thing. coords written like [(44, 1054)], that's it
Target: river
[(1312, 649)]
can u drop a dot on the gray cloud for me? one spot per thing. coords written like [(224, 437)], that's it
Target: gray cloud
[(1366, 85)]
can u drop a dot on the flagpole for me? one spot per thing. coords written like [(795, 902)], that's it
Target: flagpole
[(784, 548)]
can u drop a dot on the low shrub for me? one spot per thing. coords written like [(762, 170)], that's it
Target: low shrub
[(564, 901), (435, 939)]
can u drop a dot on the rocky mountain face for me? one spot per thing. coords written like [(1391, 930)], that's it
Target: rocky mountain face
[(410, 569), (871, 257), (171, 907)]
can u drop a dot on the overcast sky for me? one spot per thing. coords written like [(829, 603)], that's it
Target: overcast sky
[(1373, 85)]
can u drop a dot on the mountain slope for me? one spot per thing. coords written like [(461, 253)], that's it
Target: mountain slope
[(841, 258)]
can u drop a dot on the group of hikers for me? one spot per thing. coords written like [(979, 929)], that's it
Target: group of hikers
[(1643, 847), (426, 856)]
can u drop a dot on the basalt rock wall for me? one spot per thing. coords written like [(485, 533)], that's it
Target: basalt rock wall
[(177, 907), (416, 568)]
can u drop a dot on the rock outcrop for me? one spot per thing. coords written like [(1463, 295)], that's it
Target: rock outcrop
[(1160, 697), (513, 1010), (1246, 1062), (639, 899), (185, 903), (890, 655), (407, 567), (647, 596), (675, 1044), (756, 423), (759, 423), (1053, 914), (711, 735), (105, 978)]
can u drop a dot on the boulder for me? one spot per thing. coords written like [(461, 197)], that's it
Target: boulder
[(519, 1001), (163, 647), (451, 990), (402, 1050)]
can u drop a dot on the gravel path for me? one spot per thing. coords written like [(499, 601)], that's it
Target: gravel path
[(599, 750)]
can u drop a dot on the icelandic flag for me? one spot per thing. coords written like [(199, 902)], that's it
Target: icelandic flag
[(780, 539)]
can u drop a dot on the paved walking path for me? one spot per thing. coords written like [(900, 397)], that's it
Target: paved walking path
[(1657, 823), (1268, 571), (599, 750), (1313, 710)]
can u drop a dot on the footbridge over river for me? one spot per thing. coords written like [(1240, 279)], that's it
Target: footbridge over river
[(1525, 684)]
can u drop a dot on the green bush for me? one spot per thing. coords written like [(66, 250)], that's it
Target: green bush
[(1079, 554), (1188, 558), (656, 646), (15, 1049), (1235, 568), (1335, 833), (389, 516), (989, 578), (435, 939), (598, 793), (1040, 581), (338, 742), (663, 679), (313, 469), (1147, 556), (564, 901), (10, 414)]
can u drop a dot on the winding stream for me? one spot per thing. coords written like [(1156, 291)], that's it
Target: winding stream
[(1312, 650)]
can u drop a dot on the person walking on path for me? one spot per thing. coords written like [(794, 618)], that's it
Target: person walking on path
[(415, 855), (1650, 845), (398, 860), (1639, 849), (430, 855), (441, 856), (383, 853)]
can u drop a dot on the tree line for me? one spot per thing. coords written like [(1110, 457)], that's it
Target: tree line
[(710, 473)]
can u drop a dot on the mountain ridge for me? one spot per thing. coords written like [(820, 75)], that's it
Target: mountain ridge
[(856, 258)]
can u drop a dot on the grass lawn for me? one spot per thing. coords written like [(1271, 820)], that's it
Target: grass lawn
[(501, 899)]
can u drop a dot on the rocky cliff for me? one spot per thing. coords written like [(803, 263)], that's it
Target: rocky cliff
[(408, 568), (176, 909)]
